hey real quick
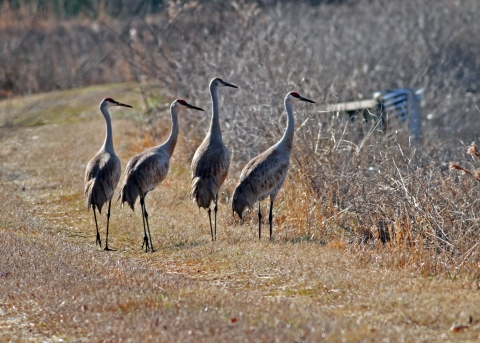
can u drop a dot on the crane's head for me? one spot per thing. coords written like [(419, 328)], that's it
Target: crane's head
[(294, 97), (218, 82), (109, 102), (241, 199), (182, 104)]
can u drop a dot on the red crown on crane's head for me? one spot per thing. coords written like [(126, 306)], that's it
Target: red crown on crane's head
[(295, 94)]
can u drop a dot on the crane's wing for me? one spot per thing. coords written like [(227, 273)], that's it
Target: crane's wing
[(265, 173), (209, 170), (101, 179), (211, 163), (144, 172), (147, 170)]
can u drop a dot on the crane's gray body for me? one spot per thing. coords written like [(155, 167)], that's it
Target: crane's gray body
[(262, 177), (209, 170), (148, 169), (144, 173), (101, 179), (265, 174), (211, 161), (103, 170)]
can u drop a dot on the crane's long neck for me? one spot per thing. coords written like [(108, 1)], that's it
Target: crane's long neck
[(108, 143), (215, 123), (172, 139), (287, 139)]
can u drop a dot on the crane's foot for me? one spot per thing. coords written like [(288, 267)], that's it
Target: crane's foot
[(151, 246), (145, 243), (108, 249), (98, 241)]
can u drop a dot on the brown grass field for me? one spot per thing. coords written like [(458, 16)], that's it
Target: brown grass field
[(56, 285)]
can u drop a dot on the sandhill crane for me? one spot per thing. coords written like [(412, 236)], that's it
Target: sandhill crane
[(148, 169), (103, 172), (265, 174), (211, 161)]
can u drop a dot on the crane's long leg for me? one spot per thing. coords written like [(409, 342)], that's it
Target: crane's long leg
[(210, 220), (259, 222), (98, 241), (145, 237), (108, 221), (215, 208), (270, 217), (148, 226)]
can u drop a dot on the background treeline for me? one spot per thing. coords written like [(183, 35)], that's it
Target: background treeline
[(62, 9), (57, 44)]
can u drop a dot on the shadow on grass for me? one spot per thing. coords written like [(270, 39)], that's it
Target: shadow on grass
[(300, 239), (188, 244)]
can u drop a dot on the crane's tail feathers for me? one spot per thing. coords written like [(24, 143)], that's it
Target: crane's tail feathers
[(201, 191), (93, 196), (129, 194)]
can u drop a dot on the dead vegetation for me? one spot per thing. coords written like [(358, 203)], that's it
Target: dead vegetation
[(305, 286), (363, 215)]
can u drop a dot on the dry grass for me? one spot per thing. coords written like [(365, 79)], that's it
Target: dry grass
[(374, 238), (306, 286), (61, 107)]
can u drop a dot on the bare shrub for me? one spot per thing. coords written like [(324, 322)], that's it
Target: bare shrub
[(347, 180)]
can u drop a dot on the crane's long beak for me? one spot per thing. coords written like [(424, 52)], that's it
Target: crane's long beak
[(307, 100), (194, 107), (124, 105), (229, 84)]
